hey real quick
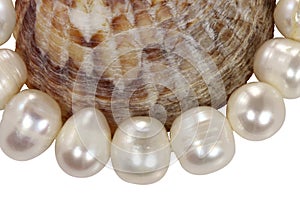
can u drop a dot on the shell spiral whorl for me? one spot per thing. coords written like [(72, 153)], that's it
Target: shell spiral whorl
[(140, 57)]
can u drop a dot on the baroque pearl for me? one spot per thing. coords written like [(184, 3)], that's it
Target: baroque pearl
[(256, 111), (287, 18), (83, 145), (30, 122), (277, 62), (140, 150), (7, 20), (13, 74), (202, 140)]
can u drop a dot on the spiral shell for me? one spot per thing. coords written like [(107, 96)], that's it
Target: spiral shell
[(140, 57)]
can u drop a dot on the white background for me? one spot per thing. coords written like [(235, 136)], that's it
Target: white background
[(260, 170)]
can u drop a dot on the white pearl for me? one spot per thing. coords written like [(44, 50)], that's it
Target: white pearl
[(287, 18), (7, 20), (277, 62), (202, 140), (13, 75), (30, 123), (256, 111), (83, 145), (141, 150)]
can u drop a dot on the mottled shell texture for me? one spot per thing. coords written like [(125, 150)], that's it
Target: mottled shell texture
[(140, 57)]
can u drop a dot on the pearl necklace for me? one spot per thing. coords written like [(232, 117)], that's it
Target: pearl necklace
[(201, 138)]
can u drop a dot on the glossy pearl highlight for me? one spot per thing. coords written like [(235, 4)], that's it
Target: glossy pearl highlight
[(140, 150), (30, 123), (7, 20), (256, 111), (287, 18), (83, 145), (13, 75), (277, 62), (202, 140)]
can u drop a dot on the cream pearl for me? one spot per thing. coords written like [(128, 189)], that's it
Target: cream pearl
[(140, 150), (202, 140), (7, 20), (30, 122), (287, 18), (13, 75), (83, 145), (256, 111), (277, 62)]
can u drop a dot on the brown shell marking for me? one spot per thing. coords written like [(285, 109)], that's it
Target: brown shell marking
[(140, 57)]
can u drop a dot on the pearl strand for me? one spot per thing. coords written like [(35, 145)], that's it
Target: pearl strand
[(201, 138)]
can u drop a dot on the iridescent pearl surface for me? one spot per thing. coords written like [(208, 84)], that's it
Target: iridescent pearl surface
[(256, 111), (287, 18), (277, 62), (7, 20), (30, 122), (140, 150), (83, 145), (13, 74), (202, 140)]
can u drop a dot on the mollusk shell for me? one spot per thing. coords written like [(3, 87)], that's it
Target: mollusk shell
[(140, 57)]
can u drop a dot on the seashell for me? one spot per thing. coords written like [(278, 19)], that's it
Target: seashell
[(140, 57)]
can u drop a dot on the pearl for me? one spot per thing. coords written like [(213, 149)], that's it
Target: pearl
[(82, 147), (30, 122), (140, 150), (287, 18), (7, 20), (13, 75), (202, 140), (256, 111), (277, 62)]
